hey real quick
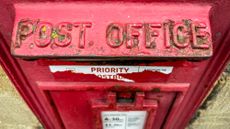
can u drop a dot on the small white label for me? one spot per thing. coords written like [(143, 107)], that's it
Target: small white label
[(123, 120)]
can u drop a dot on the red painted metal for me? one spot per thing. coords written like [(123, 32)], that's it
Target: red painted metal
[(111, 104), (79, 95), (111, 30), (63, 100)]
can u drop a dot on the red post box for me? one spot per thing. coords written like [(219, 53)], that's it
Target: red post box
[(114, 64)]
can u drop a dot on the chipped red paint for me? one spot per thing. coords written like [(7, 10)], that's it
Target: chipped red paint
[(64, 100), (125, 33)]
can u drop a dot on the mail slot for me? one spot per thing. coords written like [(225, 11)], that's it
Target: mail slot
[(114, 64)]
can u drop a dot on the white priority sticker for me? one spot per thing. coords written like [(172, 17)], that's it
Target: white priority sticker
[(110, 72), (123, 120)]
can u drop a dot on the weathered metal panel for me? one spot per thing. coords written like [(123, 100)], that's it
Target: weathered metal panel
[(111, 29)]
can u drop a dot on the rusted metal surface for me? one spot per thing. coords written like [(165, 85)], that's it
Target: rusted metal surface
[(130, 30)]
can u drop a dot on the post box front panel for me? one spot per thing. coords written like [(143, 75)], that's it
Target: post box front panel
[(172, 72), (76, 102), (76, 111)]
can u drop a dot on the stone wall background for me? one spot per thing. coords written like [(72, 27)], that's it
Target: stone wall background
[(14, 113), (214, 113)]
